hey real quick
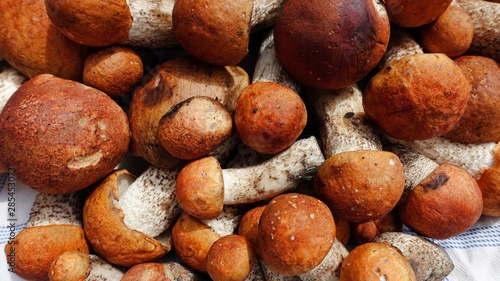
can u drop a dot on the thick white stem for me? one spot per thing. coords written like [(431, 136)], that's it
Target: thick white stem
[(280, 173), (152, 24), (273, 276), (227, 222), (10, 81), (343, 125), (56, 209), (102, 270), (472, 157), (329, 268), (401, 44), (268, 68), (264, 13)]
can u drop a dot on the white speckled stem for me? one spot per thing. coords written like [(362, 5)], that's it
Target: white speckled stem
[(101, 270), (342, 123), (264, 13), (256, 274), (152, 24), (273, 276), (472, 157), (401, 44), (485, 16), (10, 81), (56, 209), (267, 67), (328, 269), (227, 222), (280, 173), (429, 260)]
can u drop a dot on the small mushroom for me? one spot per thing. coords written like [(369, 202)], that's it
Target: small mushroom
[(155, 271), (54, 227), (203, 187), (218, 32), (407, 13), (368, 231), (60, 135), (332, 44), (426, 104), (194, 127), (136, 23), (429, 260), (115, 70), (32, 45), (70, 266)]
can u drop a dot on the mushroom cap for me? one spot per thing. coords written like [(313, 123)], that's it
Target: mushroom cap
[(156, 271), (48, 242), (451, 34), (174, 81), (114, 70), (408, 13), (230, 258), (91, 23), (199, 188), (192, 240), (194, 127), (216, 32), (269, 117), (106, 231), (331, 44), (289, 233), (361, 185), (376, 261), (479, 124), (444, 204), (417, 97), (70, 266), (60, 135), (32, 45), (489, 183), (249, 226)]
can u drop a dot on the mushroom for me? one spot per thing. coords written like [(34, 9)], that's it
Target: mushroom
[(114, 70), (376, 261), (54, 227), (426, 104), (368, 231), (485, 16), (192, 238), (60, 135), (230, 258), (135, 23), (153, 271), (332, 44), (218, 32), (203, 187), (289, 233), (451, 33), (173, 82), (429, 260), (478, 124), (194, 127), (70, 266), (407, 13), (32, 45)]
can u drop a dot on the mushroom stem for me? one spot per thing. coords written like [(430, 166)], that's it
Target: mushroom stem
[(10, 81), (276, 175), (485, 16), (401, 44), (264, 13), (102, 270), (343, 125), (329, 268), (56, 209), (429, 260)]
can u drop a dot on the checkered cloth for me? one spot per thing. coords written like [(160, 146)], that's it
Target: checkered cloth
[(475, 253)]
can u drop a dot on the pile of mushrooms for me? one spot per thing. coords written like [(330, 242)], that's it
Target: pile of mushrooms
[(250, 140)]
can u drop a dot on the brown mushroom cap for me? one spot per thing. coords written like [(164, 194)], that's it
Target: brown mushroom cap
[(91, 22), (489, 183), (60, 135), (444, 204), (409, 13), (156, 271), (418, 97), (331, 44), (376, 261), (451, 33), (32, 44), (70, 266), (361, 185), (249, 226), (199, 188), (269, 117), (194, 127), (290, 239), (114, 70), (216, 32), (106, 231), (230, 258), (479, 124), (48, 242)]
